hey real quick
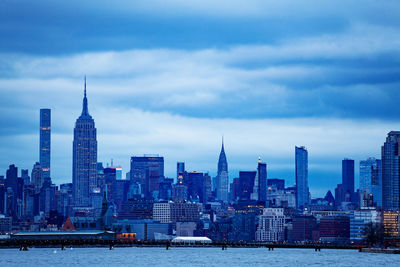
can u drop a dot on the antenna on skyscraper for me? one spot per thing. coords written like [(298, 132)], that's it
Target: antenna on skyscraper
[(85, 85)]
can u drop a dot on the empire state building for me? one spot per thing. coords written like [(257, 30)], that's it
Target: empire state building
[(84, 164)]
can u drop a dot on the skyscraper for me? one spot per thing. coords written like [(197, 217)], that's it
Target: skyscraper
[(37, 176), (45, 135), (222, 176), (370, 182), (197, 187), (348, 179), (262, 181), (147, 171), (391, 171), (25, 176), (84, 165), (246, 184), (110, 183), (11, 185), (301, 177)]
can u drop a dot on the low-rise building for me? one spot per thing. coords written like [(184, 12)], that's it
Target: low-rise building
[(334, 229)]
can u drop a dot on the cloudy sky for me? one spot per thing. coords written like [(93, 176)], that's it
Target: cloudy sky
[(171, 77)]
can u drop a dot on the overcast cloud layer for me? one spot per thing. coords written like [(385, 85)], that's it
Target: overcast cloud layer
[(171, 78)]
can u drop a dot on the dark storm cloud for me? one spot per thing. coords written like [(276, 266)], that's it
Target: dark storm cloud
[(48, 27)]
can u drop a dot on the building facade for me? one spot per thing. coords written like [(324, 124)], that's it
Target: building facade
[(185, 212), (162, 212), (359, 219), (262, 181), (271, 225), (45, 141), (84, 162), (370, 183), (390, 220), (391, 172), (302, 191), (37, 176), (348, 178), (147, 171), (334, 229), (303, 228), (246, 184)]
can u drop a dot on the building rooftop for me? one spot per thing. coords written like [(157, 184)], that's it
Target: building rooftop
[(93, 232), (192, 239)]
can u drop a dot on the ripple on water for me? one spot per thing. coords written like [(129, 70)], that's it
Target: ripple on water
[(192, 257)]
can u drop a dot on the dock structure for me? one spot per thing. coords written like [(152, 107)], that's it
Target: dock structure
[(63, 239)]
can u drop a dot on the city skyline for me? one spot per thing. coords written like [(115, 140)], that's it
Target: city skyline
[(230, 126), (171, 81), (126, 169)]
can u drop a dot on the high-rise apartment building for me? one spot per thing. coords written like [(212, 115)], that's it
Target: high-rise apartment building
[(222, 176), (391, 172), (271, 225), (45, 141), (84, 162), (302, 191)]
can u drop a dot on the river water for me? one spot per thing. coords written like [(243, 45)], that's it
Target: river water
[(249, 257)]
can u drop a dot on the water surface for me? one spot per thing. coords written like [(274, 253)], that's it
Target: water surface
[(192, 257)]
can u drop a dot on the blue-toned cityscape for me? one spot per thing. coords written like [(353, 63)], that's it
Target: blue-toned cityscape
[(199, 133), (147, 205)]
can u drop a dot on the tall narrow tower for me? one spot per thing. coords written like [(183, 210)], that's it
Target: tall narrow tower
[(84, 163), (45, 131), (348, 179), (262, 181), (222, 176), (301, 177)]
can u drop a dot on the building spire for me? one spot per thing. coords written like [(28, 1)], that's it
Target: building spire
[(222, 163), (85, 111)]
